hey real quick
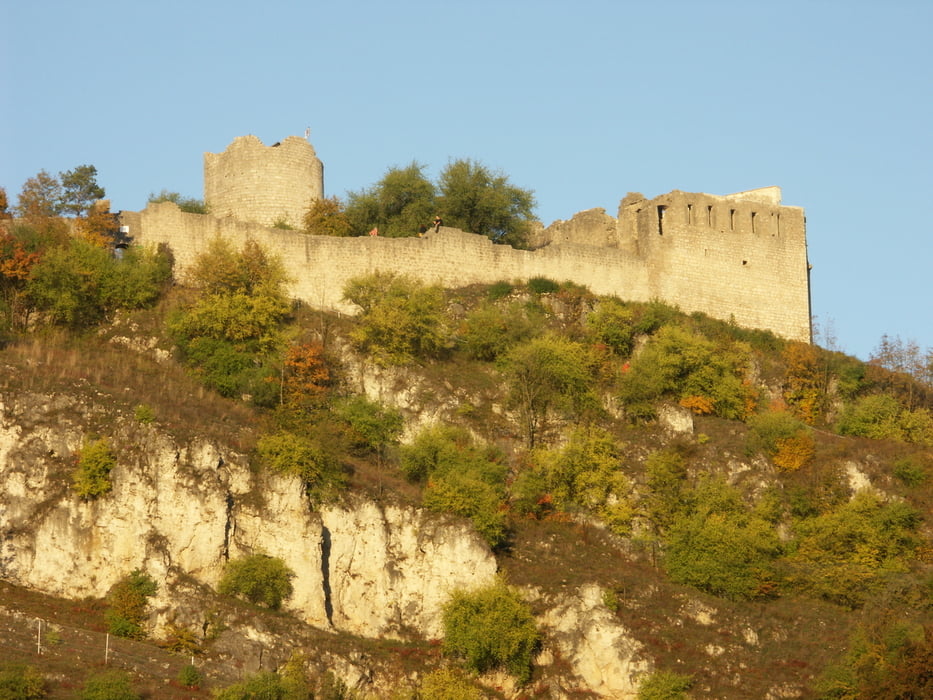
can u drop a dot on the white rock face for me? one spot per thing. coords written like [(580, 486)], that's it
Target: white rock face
[(185, 509), (599, 648)]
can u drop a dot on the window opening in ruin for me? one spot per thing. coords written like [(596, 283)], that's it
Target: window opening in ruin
[(661, 209), (754, 218), (777, 226), (689, 214), (709, 215), (732, 219)]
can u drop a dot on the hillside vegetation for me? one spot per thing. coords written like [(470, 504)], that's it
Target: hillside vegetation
[(659, 456)]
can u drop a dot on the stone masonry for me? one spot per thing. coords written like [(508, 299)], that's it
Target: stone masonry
[(740, 257), (263, 184)]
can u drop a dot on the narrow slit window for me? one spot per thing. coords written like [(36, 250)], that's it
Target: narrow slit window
[(661, 209), (709, 215), (689, 214), (754, 222), (732, 219)]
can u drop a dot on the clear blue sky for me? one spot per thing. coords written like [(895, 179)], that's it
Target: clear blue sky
[(579, 101)]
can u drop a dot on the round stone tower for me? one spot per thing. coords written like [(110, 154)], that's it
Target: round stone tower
[(264, 184)]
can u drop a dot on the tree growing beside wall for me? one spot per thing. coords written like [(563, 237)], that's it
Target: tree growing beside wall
[(468, 195)]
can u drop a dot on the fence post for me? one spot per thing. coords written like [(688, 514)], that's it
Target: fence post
[(39, 637), (107, 649)]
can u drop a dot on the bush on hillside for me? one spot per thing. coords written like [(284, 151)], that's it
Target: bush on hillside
[(372, 427), (448, 684), (847, 553), (490, 330), (665, 685), (612, 323), (80, 284), (231, 334), (491, 628), (784, 438), (21, 682), (682, 366), (401, 319), (586, 474), (546, 377), (462, 477), (109, 685), (126, 604), (468, 495), (882, 417), (721, 546)]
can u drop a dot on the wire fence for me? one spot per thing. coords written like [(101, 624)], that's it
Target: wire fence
[(27, 638)]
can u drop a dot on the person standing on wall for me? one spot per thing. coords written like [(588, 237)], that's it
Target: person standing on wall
[(437, 224)]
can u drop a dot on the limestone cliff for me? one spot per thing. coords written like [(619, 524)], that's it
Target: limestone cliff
[(183, 509)]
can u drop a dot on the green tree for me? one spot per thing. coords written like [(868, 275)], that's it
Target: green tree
[(66, 284), (667, 496), (469, 495), (126, 604), (400, 204), (547, 375), (400, 318), (491, 628), (259, 579), (80, 284), (189, 205), (79, 190), (327, 217), (40, 198), (232, 332), (478, 200)]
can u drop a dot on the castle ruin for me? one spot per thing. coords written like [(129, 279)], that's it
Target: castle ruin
[(264, 184), (739, 257)]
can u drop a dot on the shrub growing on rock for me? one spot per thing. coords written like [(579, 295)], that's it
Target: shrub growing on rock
[(259, 579), (92, 475), (491, 628)]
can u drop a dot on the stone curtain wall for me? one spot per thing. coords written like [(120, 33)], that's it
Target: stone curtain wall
[(743, 256), (263, 184), (758, 279)]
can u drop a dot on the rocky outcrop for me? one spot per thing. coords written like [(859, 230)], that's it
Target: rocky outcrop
[(181, 510), (600, 650)]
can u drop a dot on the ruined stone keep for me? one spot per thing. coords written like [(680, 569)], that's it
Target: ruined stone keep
[(739, 257), (263, 184)]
